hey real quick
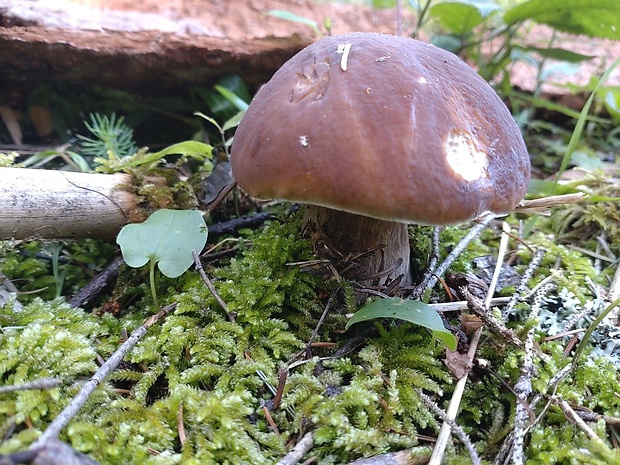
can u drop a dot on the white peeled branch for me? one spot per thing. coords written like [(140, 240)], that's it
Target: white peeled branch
[(62, 204)]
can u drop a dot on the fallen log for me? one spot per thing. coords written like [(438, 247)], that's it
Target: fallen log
[(62, 204)]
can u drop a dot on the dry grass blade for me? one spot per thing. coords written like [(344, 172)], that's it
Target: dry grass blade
[(541, 206), (444, 434)]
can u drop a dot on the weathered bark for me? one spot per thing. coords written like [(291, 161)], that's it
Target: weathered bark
[(161, 46), (62, 204), (370, 251)]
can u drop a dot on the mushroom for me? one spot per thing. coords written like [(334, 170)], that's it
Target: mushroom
[(375, 131)]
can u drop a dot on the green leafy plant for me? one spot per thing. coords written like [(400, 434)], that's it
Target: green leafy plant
[(114, 150), (594, 18), (490, 34), (112, 138), (145, 160), (167, 238), (413, 311)]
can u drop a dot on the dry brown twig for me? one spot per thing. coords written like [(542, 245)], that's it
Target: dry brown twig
[(211, 287), (541, 206)]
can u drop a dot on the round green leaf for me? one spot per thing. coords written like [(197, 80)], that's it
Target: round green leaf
[(413, 311), (167, 237)]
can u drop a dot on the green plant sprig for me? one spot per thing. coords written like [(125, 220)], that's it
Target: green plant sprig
[(167, 238)]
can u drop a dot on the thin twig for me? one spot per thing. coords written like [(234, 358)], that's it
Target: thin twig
[(541, 206), (305, 445), (614, 288), (415, 456), (181, 425), (80, 399), (523, 387), (503, 457), (503, 247), (221, 195), (496, 325), (455, 401), (523, 285), (574, 418), (458, 250), (462, 305), (453, 407), (326, 310), (231, 226), (432, 263), (211, 287), (89, 293), (53, 452), (37, 384), (454, 427)]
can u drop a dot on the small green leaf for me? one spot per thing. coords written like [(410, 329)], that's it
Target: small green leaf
[(560, 54), (233, 122), (238, 102), (192, 148), (541, 187), (461, 17), (594, 18), (413, 311), (167, 237)]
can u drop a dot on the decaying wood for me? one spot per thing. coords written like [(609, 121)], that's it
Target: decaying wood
[(62, 204), (88, 296), (161, 46)]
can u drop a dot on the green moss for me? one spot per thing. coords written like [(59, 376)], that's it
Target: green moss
[(30, 266), (566, 445), (204, 372), (572, 268), (7, 159), (488, 406), (452, 235), (45, 339)]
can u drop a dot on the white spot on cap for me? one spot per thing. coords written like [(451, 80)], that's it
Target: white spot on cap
[(344, 49), (303, 140), (464, 158), (422, 80)]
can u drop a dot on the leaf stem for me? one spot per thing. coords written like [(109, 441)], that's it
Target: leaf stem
[(152, 281)]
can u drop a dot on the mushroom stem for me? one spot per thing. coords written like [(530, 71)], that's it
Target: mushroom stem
[(367, 250)]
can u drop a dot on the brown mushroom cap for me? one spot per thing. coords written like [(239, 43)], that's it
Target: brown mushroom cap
[(382, 126)]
